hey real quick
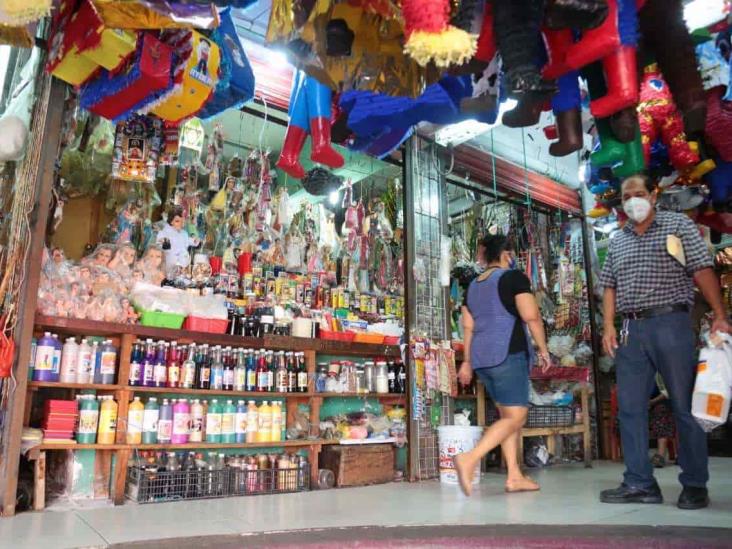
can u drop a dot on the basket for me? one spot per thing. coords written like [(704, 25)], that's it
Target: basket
[(144, 486), (346, 337), (550, 416), (268, 481), (156, 319), (374, 339), (210, 325)]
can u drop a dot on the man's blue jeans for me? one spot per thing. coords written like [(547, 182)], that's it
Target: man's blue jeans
[(665, 344)]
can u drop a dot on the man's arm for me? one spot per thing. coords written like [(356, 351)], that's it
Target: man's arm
[(707, 282), (609, 333)]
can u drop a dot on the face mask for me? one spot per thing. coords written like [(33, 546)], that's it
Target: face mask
[(637, 209)]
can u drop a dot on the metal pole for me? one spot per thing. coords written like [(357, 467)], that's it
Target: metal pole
[(595, 342)]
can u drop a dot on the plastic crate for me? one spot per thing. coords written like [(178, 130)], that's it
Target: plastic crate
[(550, 416), (336, 336), (268, 481), (210, 325), (156, 319), (147, 486), (374, 339)]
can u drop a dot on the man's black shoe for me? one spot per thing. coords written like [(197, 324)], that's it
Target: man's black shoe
[(629, 494), (693, 497)]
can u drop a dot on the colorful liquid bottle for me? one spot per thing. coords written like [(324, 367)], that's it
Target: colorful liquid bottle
[(262, 372), (136, 359), (240, 372), (276, 428), (217, 370), (251, 366), (229, 370), (188, 369), (241, 422), (86, 432), (252, 421), (291, 373), (173, 366), (181, 422), (165, 422), (281, 379), (270, 371), (148, 365), (204, 369), (107, 421), (57, 350), (228, 423), (150, 421), (160, 369), (107, 363), (264, 432), (213, 422), (69, 361), (135, 420), (96, 354), (197, 419), (43, 367), (302, 373)]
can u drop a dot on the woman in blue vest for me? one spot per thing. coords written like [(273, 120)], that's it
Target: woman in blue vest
[(499, 313)]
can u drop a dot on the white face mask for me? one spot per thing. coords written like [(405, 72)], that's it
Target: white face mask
[(637, 209)]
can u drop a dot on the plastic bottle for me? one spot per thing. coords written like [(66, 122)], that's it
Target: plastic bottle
[(136, 358), (203, 367), (291, 373), (283, 421), (96, 360), (181, 422), (240, 371), (188, 369), (148, 364), (150, 421), (213, 422), (160, 369), (165, 422), (57, 349), (228, 360), (401, 375), (135, 420), (86, 432), (269, 361), (173, 366), (252, 421), (108, 363), (69, 361), (228, 423), (107, 421), (197, 419), (264, 432), (276, 427), (241, 422), (262, 372), (217, 370), (43, 367), (302, 373), (391, 373), (32, 361)]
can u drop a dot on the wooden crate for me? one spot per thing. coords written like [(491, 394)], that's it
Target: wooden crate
[(359, 465)]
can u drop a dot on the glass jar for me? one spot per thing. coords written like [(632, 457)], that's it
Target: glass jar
[(360, 378), (382, 378), (321, 377), (370, 375)]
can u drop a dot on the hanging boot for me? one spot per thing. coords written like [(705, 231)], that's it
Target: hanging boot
[(621, 77), (569, 128), (526, 113), (289, 161), (319, 109)]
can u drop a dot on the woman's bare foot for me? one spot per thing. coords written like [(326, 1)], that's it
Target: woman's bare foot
[(465, 471), (523, 484)]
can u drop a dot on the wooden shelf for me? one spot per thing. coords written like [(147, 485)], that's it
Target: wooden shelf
[(72, 326), (35, 385), (189, 446), (204, 392), (383, 396)]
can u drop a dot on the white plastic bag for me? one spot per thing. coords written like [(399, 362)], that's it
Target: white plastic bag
[(713, 388)]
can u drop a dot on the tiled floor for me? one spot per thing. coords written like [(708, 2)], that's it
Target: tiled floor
[(568, 496)]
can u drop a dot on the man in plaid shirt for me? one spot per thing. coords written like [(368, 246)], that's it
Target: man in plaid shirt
[(648, 279)]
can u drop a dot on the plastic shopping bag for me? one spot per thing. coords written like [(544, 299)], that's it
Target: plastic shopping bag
[(713, 388)]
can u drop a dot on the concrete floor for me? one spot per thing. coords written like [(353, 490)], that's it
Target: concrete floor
[(569, 496)]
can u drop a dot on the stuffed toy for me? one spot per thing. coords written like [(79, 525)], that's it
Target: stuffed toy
[(430, 36), (310, 112), (614, 43), (659, 118), (664, 33)]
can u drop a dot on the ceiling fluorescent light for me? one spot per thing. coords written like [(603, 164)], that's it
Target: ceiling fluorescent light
[(456, 134)]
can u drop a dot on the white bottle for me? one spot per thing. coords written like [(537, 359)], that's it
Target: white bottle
[(84, 369), (57, 357), (69, 361)]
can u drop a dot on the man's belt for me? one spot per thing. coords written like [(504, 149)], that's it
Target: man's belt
[(656, 311)]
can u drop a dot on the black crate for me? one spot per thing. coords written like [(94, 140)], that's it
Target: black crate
[(147, 486), (268, 481), (550, 416)]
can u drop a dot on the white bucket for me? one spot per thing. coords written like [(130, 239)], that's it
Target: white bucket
[(456, 439)]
